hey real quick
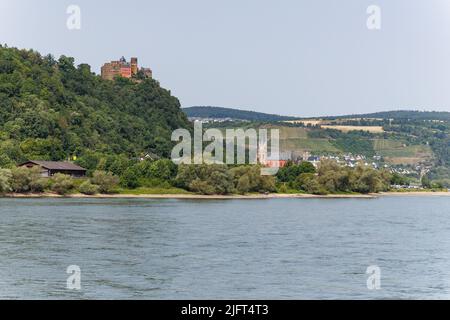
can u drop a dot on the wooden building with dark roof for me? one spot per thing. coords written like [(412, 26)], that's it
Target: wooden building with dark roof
[(50, 168)]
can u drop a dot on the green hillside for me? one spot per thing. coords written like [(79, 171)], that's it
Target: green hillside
[(51, 110)]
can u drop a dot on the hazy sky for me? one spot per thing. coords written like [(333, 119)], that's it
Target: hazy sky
[(299, 57)]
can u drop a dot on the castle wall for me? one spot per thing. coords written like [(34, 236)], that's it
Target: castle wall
[(123, 69)]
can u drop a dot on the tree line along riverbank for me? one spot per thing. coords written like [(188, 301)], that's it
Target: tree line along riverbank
[(163, 177)]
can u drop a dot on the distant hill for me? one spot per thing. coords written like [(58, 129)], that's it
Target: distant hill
[(410, 140), (400, 115), (235, 114)]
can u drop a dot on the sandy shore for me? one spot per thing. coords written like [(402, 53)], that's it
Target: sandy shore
[(185, 196), (230, 197)]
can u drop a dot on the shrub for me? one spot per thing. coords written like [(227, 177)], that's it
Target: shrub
[(308, 182), (106, 181), (283, 188), (130, 179), (27, 180), (62, 184), (5, 180), (201, 187), (206, 179), (88, 188), (20, 180), (38, 185), (256, 182)]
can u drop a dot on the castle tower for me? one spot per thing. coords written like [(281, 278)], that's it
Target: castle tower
[(134, 66)]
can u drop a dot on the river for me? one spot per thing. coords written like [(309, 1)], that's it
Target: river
[(225, 249)]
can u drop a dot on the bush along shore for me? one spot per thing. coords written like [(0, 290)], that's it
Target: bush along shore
[(162, 177)]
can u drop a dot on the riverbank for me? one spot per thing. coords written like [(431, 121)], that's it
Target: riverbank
[(416, 193), (225, 197)]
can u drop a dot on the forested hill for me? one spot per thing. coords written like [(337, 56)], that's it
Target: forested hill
[(235, 114), (402, 115), (51, 109)]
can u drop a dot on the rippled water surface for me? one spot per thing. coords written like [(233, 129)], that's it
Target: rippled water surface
[(234, 249)]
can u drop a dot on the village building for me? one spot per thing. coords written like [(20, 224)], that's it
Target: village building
[(50, 168)]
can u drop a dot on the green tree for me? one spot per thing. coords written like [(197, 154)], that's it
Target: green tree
[(243, 185), (159, 171), (367, 180), (130, 179), (291, 171), (426, 182), (399, 180)]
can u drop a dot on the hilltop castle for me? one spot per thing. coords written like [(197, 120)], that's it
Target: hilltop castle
[(124, 69)]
